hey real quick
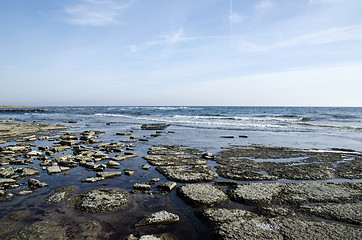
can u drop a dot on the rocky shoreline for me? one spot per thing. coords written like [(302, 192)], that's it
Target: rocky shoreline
[(243, 192)]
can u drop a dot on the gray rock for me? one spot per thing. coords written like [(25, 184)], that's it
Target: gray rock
[(202, 195), (42, 230), (102, 200), (187, 174), (256, 193), (141, 186), (295, 193), (243, 175), (60, 194), (168, 186), (158, 218), (54, 170), (29, 172), (112, 164), (347, 212), (177, 160), (93, 179), (303, 172), (217, 216), (34, 183), (146, 167), (5, 196), (23, 192), (7, 172), (155, 126), (6, 181), (109, 174), (129, 172)]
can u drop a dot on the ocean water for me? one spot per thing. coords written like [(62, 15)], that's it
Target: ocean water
[(200, 127), (306, 127)]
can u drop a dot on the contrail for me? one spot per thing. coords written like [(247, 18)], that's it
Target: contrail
[(231, 20)]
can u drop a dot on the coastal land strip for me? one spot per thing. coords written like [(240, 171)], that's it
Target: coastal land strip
[(249, 194)]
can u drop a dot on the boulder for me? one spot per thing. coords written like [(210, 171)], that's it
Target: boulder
[(54, 170)]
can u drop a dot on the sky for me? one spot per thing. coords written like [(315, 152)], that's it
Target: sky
[(181, 52)]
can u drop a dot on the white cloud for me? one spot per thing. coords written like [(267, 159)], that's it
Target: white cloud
[(317, 38), (94, 12), (166, 40)]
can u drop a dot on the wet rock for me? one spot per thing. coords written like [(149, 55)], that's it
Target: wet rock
[(60, 194), (155, 126), (54, 170), (167, 186), (158, 218), (187, 174), (29, 172), (347, 212), (301, 229), (34, 183), (256, 193), (174, 150), (202, 195), (102, 200), (23, 192), (243, 175), (124, 133), (5, 196), (350, 170), (217, 216), (295, 193), (208, 156), (167, 160), (141, 186), (129, 155), (109, 174), (317, 192), (7, 181), (164, 236), (13, 216), (7, 227), (277, 211), (93, 179), (112, 164), (304, 172), (42, 230), (228, 136), (129, 172), (146, 167), (7, 172)]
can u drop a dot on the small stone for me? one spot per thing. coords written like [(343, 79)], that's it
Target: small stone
[(34, 183), (109, 174), (29, 172), (158, 218), (54, 170), (129, 172), (146, 167), (23, 192), (93, 179), (168, 186), (112, 164), (124, 133), (141, 186)]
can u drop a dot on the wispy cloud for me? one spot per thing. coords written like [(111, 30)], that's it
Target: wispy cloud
[(95, 12), (166, 40), (317, 38)]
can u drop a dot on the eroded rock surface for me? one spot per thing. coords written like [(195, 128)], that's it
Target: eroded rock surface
[(102, 200), (158, 218), (202, 195), (188, 174)]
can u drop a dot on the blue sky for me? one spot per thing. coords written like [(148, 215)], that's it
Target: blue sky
[(181, 52)]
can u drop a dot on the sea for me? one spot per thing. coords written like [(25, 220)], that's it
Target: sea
[(210, 128), (303, 127)]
